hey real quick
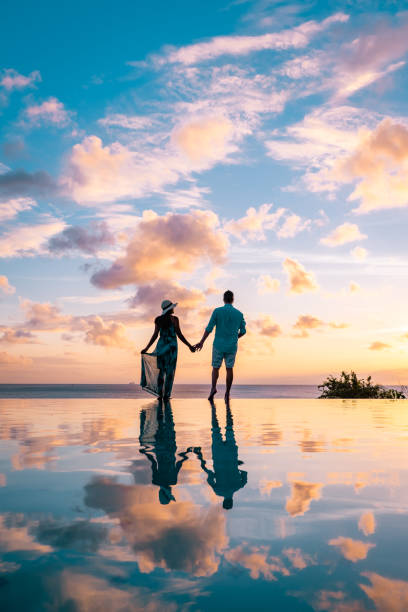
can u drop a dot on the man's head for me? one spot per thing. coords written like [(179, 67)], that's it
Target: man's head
[(228, 297), (227, 503)]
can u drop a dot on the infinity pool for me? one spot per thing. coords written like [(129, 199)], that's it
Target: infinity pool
[(272, 505)]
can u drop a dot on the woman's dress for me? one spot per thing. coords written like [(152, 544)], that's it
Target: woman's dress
[(159, 367)]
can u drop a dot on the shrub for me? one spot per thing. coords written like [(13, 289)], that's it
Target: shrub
[(349, 386)]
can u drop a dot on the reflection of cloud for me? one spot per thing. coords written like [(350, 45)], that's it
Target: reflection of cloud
[(352, 550), (266, 486), (298, 559), (336, 601), (81, 535), (387, 594), (258, 561), (180, 536), (308, 445), (301, 497), (16, 535), (366, 524)]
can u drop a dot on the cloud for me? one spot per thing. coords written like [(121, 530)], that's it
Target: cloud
[(267, 327), (306, 322), (366, 523), (10, 79), (352, 550), (266, 486), (348, 232), (302, 495), (302, 66), (292, 226), (127, 122), (11, 208), (166, 246), (50, 111), (157, 533), (243, 45), (149, 297), (98, 174), (29, 240), (300, 281), (82, 239), (359, 253), (19, 183), (5, 286), (254, 223), (16, 535), (44, 316), (380, 164), (354, 287), (258, 561), (7, 359), (16, 336), (267, 284), (379, 346), (386, 593), (106, 333), (206, 140)]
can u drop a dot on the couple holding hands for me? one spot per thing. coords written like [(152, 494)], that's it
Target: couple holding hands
[(159, 367)]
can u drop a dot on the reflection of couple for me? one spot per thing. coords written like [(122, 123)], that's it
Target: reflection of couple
[(160, 448), (159, 367)]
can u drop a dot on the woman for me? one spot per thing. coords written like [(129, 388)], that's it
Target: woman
[(159, 368)]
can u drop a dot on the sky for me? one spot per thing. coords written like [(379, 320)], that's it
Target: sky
[(159, 150)]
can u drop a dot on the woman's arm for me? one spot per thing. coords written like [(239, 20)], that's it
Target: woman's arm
[(180, 335), (152, 339)]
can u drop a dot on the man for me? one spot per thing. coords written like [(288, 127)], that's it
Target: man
[(229, 326)]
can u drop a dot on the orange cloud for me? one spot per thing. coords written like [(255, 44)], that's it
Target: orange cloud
[(258, 561), (267, 284), (300, 281), (173, 244), (106, 333), (292, 226), (254, 223), (5, 286), (379, 346), (348, 232), (366, 523), (352, 550), (149, 298), (307, 322), (7, 359), (266, 486), (354, 287), (359, 253), (298, 559), (267, 327), (301, 497), (380, 163), (16, 336)]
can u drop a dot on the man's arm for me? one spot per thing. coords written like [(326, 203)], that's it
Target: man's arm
[(242, 328), (211, 324)]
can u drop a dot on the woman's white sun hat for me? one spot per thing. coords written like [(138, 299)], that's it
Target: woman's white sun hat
[(167, 305)]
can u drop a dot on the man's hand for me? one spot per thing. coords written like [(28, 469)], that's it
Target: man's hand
[(199, 346)]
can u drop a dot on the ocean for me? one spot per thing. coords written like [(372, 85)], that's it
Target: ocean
[(130, 391)]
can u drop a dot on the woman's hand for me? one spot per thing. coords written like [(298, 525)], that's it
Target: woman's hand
[(192, 348), (143, 351)]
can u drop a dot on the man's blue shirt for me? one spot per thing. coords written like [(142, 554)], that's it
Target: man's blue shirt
[(228, 323)]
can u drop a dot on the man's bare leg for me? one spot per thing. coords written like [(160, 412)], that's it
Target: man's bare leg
[(230, 378), (214, 378)]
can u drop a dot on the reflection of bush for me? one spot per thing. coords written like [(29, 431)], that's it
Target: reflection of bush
[(349, 386)]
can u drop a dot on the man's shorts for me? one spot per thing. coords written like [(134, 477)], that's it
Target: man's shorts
[(219, 356)]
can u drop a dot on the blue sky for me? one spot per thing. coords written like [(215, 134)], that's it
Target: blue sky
[(137, 139)]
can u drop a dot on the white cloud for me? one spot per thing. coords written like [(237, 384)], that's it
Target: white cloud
[(296, 37), (267, 284), (11, 208), (127, 122), (50, 111), (29, 240), (292, 226), (10, 79), (254, 223), (359, 253)]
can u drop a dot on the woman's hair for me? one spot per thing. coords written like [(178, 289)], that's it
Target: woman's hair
[(164, 321)]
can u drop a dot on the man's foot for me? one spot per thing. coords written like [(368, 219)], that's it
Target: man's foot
[(212, 393)]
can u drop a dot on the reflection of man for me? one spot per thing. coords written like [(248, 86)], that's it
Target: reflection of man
[(162, 455), (226, 478), (229, 325)]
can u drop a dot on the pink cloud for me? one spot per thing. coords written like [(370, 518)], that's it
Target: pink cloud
[(12, 207), (5, 286), (50, 111), (11, 79), (254, 223)]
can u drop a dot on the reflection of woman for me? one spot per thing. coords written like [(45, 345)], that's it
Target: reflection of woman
[(162, 455), (159, 380)]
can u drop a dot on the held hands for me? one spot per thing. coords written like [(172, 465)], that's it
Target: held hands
[(192, 348), (198, 346)]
